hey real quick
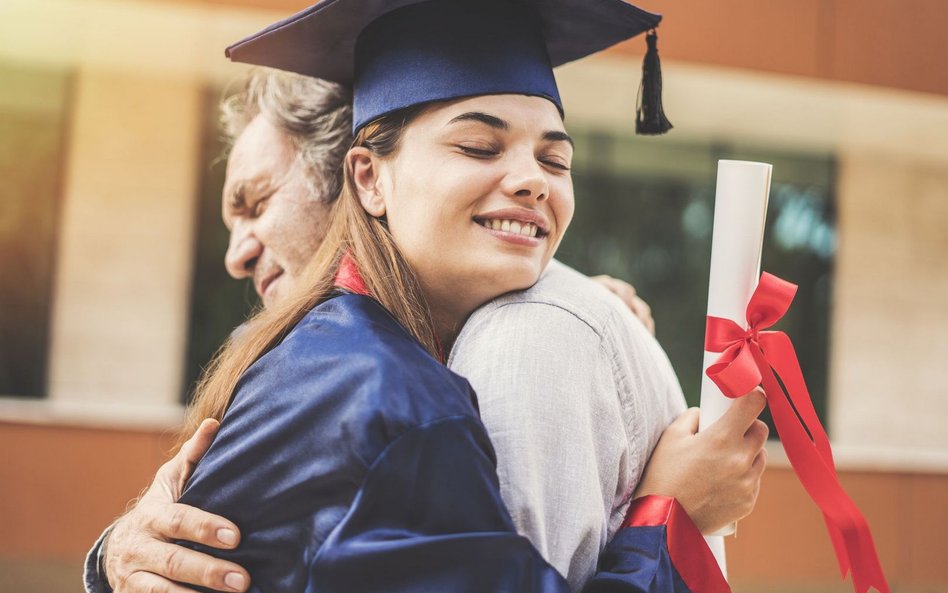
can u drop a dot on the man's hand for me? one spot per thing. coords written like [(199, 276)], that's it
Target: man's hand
[(626, 292), (138, 554), (714, 474)]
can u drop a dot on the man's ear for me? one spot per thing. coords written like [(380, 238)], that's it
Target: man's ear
[(365, 173)]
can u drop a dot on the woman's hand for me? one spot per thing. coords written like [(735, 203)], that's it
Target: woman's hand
[(139, 555), (714, 474)]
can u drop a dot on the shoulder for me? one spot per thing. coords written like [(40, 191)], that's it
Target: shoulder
[(348, 361), (563, 302)]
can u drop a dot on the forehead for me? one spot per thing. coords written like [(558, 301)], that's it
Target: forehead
[(520, 112), (261, 150)]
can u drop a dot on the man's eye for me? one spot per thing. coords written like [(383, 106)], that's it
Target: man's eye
[(477, 152), (259, 207)]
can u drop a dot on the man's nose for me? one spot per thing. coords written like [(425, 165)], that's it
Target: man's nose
[(526, 178), (243, 251)]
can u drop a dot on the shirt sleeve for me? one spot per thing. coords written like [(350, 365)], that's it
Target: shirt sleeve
[(93, 575), (556, 422)]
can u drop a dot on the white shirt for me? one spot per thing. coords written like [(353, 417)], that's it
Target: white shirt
[(575, 393)]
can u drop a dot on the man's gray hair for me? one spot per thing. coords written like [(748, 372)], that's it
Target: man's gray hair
[(315, 114)]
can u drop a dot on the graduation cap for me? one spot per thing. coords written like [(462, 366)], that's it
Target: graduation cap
[(399, 53)]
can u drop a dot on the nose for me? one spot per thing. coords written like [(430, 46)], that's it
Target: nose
[(243, 251), (526, 178)]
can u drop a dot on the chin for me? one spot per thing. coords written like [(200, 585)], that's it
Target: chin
[(520, 275)]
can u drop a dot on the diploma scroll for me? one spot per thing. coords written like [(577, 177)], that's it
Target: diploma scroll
[(740, 212)]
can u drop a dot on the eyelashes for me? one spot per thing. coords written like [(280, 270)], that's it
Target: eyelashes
[(486, 153)]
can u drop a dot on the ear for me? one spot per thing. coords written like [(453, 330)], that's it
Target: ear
[(365, 169)]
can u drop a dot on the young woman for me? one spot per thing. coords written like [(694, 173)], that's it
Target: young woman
[(350, 457)]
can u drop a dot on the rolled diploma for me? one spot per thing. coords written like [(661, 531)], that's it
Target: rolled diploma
[(740, 211)]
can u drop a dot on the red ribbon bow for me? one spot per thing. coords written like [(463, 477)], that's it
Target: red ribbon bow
[(749, 358)]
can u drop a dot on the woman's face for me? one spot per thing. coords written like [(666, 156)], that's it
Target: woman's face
[(478, 197)]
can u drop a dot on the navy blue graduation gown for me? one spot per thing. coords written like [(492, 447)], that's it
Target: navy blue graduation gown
[(354, 462)]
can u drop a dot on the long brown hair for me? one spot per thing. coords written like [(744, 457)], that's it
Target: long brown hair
[(352, 231)]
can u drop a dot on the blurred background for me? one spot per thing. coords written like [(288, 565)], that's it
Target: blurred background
[(113, 293)]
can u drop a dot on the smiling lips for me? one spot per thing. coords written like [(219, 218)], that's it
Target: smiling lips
[(527, 229), (515, 221), (267, 280)]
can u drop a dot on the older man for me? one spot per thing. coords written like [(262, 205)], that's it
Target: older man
[(573, 389)]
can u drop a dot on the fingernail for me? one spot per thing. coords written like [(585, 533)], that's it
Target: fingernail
[(228, 537), (234, 580)]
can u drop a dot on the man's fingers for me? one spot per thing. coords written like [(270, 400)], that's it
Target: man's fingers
[(174, 474), (146, 582), (644, 313), (183, 522), (190, 567), (195, 447)]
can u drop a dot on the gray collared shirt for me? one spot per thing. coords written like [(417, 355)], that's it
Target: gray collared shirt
[(575, 393)]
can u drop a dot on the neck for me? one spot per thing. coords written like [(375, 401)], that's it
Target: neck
[(449, 312), (447, 326)]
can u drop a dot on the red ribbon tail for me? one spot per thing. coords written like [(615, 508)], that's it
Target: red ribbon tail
[(848, 530)]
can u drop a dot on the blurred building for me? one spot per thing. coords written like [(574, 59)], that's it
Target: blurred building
[(112, 291)]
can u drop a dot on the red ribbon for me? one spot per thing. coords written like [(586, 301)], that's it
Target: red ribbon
[(750, 358)]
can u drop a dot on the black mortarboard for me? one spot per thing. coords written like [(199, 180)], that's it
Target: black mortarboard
[(400, 53)]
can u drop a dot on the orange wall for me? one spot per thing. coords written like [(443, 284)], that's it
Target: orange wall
[(62, 485)]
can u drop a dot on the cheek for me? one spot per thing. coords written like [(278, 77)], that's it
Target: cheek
[(564, 205), (295, 232)]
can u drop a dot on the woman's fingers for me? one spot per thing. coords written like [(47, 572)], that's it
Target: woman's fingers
[(686, 423), (756, 435), (742, 414)]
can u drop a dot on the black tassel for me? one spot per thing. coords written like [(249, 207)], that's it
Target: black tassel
[(650, 118)]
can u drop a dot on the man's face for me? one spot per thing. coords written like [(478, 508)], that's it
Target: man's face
[(275, 224)]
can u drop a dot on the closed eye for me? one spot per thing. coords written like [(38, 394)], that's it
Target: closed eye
[(259, 207), (555, 164), (477, 152)]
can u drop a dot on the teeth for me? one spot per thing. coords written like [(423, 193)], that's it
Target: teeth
[(526, 229)]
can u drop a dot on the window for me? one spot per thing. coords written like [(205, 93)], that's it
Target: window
[(644, 212), (33, 118)]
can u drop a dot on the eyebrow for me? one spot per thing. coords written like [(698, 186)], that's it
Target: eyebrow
[(243, 191), (558, 137), (237, 200), (484, 118), (499, 124)]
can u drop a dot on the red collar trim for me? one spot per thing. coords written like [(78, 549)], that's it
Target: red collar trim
[(349, 278)]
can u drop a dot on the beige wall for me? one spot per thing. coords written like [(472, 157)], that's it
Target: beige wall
[(889, 380), (125, 246)]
